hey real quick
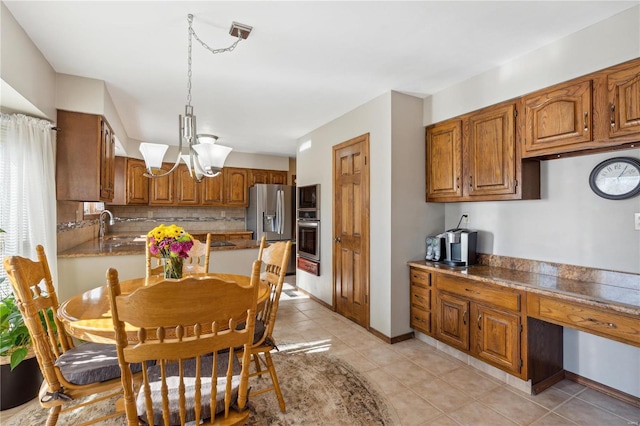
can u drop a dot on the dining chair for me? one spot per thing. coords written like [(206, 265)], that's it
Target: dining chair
[(275, 260), (154, 266), (189, 328), (70, 372), (198, 260)]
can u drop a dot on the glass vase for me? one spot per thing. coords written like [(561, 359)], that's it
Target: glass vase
[(172, 267)]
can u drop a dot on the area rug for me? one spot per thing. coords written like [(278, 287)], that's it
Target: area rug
[(318, 388)]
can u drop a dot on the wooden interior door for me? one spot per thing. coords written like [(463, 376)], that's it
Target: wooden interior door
[(351, 229)]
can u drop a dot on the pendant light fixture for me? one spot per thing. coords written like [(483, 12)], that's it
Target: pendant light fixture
[(205, 157)]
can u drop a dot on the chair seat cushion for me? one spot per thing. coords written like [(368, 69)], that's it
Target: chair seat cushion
[(90, 363), (173, 380), (258, 330)]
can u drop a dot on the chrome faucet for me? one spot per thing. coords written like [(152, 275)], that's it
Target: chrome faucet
[(101, 222)]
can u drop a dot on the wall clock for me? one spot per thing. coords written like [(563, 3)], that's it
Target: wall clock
[(617, 178)]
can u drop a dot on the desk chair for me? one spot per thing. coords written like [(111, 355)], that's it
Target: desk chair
[(275, 259), (70, 372), (198, 260), (191, 342)]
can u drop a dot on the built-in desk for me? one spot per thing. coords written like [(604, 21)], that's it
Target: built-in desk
[(465, 305)]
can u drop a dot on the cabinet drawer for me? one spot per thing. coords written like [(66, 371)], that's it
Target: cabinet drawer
[(421, 320), (420, 297), (420, 277), (489, 294), (607, 324)]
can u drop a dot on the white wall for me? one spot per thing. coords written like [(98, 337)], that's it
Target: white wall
[(398, 212), (24, 68), (314, 165), (412, 219), (570, 224)]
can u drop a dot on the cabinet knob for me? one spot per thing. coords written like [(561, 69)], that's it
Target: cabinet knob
[(586, 126), (479, 321), (338, 240)]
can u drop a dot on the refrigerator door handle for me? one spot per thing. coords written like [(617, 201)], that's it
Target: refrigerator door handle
[(280, 211)]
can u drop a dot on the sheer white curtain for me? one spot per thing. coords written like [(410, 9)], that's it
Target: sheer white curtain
[(27, 189)]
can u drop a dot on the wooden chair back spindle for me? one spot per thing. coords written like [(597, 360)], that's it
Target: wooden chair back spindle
[(192, 344)]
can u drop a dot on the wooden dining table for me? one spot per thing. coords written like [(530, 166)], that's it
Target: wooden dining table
[(87, 316)]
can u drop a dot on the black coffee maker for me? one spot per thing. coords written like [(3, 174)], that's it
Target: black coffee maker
[(460, 246)]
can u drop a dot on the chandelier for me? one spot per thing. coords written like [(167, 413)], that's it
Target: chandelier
[(205, 157)]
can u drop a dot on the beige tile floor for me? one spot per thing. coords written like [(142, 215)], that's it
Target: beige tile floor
[(428, 387)]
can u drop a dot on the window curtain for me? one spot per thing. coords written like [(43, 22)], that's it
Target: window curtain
[(27, 190)]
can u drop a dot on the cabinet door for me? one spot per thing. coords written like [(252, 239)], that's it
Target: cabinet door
[(624, 101), (161, 188), (496, 337), (444, 161), (258, 176), (137, 183), (277, 177), (490, 151), (558, 119), (236, 184), (186, 187), (453, 321), (107, 161), (213, 190)]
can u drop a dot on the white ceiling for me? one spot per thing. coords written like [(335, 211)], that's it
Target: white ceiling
[(305, 63)]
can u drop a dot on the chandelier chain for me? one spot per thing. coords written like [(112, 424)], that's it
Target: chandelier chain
[(206, 46), (190, 19)]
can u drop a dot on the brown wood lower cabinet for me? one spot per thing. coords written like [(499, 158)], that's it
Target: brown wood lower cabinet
[(421, 301), (482, 320), (496, 337)]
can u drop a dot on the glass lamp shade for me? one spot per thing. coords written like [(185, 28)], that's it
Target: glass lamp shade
[(197, 171), (153, 153), (211, 156), (206, 138)]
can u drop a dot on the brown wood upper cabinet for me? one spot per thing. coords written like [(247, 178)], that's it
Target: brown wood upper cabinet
[(475, 157), (558, 118), (490, 168), (623, 87), (187, 189), (161, 192), (131, 186), (213, 190), (85, 155), (275, 177), (594, 112), (228, 189), (444, 161), (236, 186)]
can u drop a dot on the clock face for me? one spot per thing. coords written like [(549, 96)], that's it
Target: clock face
[(616, 178)]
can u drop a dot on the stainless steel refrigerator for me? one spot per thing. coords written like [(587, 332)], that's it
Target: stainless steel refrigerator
[(271, 212)]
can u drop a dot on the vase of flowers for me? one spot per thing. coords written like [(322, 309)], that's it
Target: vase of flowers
[(171, 244)]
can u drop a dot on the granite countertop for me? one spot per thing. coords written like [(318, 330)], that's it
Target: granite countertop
[(617, 291), (120, 245)]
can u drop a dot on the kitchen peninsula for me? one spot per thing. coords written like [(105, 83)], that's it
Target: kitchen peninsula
[(84, 266), (509, 312)]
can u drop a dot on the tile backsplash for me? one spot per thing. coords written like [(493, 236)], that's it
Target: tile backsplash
[(130, 219), (72, 230)]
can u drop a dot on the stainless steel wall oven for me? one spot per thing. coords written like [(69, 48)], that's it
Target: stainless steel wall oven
[(308, 240)]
